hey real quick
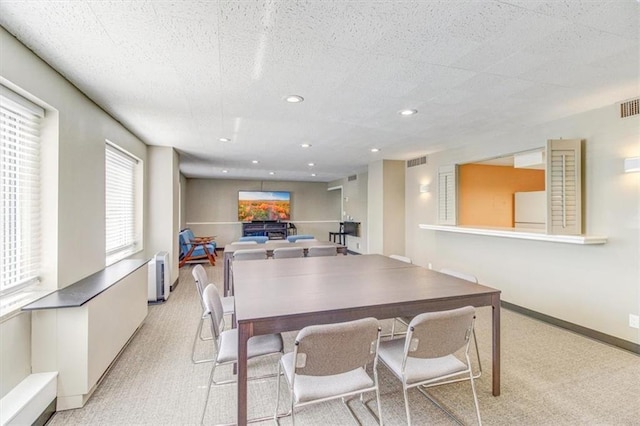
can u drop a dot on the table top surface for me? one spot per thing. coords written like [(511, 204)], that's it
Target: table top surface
[(276, 288)]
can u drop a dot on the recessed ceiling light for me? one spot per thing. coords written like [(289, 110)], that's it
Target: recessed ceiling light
[(408, 112), (313, 174), (225, 171), (305, 145), (272, 173), (312, 164), (224, 140), (375, 149), (294, 99), (255, 161)]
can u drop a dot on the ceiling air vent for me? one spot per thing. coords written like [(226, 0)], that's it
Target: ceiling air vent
[(353, 177), (417, 161), (629, 108)]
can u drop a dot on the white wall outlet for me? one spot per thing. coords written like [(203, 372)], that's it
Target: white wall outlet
[(357, 245), (634, 321)]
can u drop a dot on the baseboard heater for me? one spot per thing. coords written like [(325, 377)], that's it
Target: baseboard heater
[(26, 403)]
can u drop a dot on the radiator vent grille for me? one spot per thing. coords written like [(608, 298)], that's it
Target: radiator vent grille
[(630, 108), (417, 161), (353, 177)]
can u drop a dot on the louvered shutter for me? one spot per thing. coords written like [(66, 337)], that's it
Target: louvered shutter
[(564, 187), (447, 195), (19, 190)]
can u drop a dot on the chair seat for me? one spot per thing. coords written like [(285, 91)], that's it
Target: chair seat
[(417, 370), (311, 388), (199, 250), (257, 346)]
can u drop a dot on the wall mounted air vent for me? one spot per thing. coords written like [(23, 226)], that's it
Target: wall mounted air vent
[(630, 108), (353, 177), (417, 161)]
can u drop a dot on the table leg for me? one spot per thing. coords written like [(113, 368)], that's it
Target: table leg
[(226, 263), (244, 333), (495, 304)]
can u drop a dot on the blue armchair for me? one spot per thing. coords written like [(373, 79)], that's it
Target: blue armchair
[(194, 248)]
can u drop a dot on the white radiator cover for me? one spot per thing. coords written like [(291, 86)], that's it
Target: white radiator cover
[(159, 284)]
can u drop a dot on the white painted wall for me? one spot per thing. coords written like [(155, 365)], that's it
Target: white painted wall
[(162, 217), (212, 206), (593, 286), (73, 186)]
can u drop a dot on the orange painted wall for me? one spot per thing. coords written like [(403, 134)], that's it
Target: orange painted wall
[(485, 193)]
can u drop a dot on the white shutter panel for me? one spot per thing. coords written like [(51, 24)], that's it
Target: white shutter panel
[(447, 195), (19, 190), (120, 203), (564, 187)]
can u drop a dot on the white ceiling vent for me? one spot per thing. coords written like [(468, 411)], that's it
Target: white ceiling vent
[(417, 161), (630, 108), (353, 177)]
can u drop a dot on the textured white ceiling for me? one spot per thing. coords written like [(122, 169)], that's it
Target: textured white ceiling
[(186, 73)]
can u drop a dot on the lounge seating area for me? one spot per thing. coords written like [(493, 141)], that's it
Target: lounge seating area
[(193, 249)]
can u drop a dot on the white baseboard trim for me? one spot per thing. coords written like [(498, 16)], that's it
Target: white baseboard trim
[(29, 399)]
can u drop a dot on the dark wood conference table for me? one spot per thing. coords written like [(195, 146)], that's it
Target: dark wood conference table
[(278, 295), (229, 249)]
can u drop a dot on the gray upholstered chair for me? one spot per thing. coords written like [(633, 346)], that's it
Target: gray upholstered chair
[(288, 252), (328, 362), (464, 276), (228, 308), (322, 251), (249, 254), (226, 341), (425, 357), (246, 243), (277, 241)]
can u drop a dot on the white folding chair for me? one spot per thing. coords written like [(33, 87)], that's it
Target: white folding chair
[(228, 307), (225, 342)]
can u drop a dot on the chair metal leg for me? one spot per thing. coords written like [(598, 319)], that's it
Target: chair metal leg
[(206, 401), (197, 337), (406, 404)]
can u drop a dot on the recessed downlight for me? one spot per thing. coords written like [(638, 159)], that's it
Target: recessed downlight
[(407, 112), (311, 164), (272, 173), (224, 140), (225, 171), (375, 149), (255, 161), (294, 99), (305, 145), (313, 174)]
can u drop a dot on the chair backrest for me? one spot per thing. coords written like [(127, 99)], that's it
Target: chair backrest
[(184, 243), (245, 242), (336, 348), (288, 252), (276, 241), (322, 251), (249, 254), (437, 334), (257, 238), (294, 238), (462, 275), (400, 258), (201, 278), (213, 307)]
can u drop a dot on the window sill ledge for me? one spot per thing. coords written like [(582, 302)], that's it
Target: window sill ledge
[(11, 304), (519, 234)]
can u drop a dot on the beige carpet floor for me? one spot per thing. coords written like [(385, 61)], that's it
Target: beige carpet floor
[(549, 377)]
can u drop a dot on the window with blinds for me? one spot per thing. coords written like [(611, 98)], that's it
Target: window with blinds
[(20, 122), (120, 203)]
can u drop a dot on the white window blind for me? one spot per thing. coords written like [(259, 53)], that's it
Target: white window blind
[(120, 203), (19, 190)]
